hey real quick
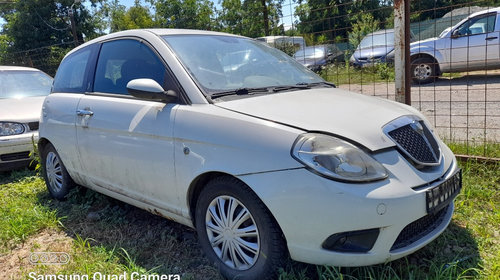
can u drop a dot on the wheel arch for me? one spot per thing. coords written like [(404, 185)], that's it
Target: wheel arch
[(201, 181), (42, 143), (425, 55)]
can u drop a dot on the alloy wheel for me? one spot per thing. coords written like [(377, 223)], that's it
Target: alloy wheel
[(54, 172), (232, 232)]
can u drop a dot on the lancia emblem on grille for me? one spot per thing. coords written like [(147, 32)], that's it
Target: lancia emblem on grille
[(417, 127)]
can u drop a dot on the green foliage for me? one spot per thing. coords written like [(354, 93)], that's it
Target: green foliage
[(346, 74), (189, 14), (34, 28), (335, 20), (20, 214), (137, 16), (252, 18), (365, 23), (287, 47)]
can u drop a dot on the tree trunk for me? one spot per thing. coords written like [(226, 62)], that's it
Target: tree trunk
[(265, 17)]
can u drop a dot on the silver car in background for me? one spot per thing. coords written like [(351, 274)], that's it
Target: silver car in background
[(472, 44), (373, 48), (22, 92)]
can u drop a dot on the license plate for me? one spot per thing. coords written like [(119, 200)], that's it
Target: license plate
[(441, 195)]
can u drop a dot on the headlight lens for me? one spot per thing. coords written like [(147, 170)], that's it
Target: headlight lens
[(336, 159), (11, 128)]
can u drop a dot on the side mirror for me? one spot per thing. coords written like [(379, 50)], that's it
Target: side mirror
[(149, 89), (455, 34)]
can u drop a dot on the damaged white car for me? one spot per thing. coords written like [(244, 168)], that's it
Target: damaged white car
[(261, 156)]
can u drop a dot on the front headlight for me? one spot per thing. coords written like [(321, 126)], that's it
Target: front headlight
[(11, 128), (336, 159)]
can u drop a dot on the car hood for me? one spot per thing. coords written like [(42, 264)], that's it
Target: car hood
[(25, 109), (336, 111), (373, 52), (426, 42)]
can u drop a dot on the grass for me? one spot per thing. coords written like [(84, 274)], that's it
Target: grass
[(488, 149), (107, 236), (340, 74)]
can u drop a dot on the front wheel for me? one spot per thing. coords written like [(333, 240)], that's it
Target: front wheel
[(57, 179), (237, 232), (423, 70)]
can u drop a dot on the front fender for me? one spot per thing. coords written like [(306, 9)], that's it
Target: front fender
[(429, 51)]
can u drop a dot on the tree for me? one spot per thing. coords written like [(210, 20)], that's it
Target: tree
[(190, 14), (33, 26), (252, 18), (137, 16), (334, 18), (364, 25)]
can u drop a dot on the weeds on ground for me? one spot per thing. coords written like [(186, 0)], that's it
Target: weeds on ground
[(344, 74), (111, 237), (475, 148)]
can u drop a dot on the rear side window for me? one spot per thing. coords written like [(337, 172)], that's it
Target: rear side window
[(70, 76), (121, 61)]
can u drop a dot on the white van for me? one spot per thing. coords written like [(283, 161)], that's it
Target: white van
[(274, 41)]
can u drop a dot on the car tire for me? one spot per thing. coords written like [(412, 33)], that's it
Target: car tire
[(257, 255), (423, 70), (57, 179)]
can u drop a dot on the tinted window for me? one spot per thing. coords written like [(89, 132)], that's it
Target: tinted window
[(124, 60), (70, 75), (478, 25), (17, 84)]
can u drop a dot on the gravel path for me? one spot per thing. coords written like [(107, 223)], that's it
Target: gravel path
[(461, 109)]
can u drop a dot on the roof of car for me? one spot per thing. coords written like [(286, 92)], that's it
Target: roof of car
[(383, 31), (155, 31), (486, 11), (16, 68)]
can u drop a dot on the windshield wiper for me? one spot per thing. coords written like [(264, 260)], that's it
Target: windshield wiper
[(322, 84), (239, 91)]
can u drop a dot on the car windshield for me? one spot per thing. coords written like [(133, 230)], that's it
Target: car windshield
[(223, 63), (19, 84), (375, 40)]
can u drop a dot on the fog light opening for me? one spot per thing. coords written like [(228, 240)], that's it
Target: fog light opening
[(360, 241)]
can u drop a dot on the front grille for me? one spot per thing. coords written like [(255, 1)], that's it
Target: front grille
[(419, 229), (417, 141), (33, 126), (15, 156)]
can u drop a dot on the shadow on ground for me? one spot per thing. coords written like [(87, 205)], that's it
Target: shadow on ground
[(466, 80), (154, 243), (166, 247)]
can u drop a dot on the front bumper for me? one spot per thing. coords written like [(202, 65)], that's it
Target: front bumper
[(310, 208), (15, 150)]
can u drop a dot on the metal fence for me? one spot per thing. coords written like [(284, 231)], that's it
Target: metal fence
[(351, 44), (461, 96)]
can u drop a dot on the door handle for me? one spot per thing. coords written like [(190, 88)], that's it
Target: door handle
[(491, 38), (84, 112)]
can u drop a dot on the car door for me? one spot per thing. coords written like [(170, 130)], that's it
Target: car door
[(126, 144), (474, 45), (58, 110)]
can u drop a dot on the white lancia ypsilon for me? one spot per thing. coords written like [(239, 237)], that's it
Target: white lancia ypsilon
[(260, 155)]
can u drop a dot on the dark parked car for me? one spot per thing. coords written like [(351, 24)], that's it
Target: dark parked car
[(373, 48), (314, 57)]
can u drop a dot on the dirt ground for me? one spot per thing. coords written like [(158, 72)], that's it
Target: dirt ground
[(466, 108), (16, 261)]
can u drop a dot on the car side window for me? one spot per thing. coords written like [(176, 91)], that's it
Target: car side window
[(477, 25), (70, 76), (121, 61)]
